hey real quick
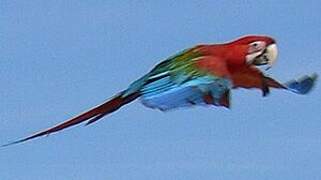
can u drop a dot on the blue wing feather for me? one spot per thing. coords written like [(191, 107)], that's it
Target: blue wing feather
[(302, 85), (166, 94)]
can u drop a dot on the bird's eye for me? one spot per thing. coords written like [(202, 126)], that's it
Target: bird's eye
[(256, 46)]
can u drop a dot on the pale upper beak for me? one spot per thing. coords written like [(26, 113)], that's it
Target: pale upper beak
[(267, 57)]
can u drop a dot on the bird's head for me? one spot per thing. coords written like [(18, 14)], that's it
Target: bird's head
[(253, 50)]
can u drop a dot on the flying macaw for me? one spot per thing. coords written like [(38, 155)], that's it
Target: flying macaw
[(201, 75)]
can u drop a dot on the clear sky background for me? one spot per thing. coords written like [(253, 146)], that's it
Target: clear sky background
[(58, 58)]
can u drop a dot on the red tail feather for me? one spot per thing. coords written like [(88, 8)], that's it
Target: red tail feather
[(91, 115)]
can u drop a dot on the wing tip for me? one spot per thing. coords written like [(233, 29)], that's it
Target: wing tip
[(303, 85)]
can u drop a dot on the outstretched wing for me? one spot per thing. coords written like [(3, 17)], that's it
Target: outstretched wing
[(251, 77), (189, 78)]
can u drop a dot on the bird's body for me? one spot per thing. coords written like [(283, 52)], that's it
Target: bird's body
[(201, 75)]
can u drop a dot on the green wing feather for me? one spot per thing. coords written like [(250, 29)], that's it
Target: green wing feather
[(182, 63), (179, 67)]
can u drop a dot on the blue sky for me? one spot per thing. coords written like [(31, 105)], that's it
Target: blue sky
[(59, 58)]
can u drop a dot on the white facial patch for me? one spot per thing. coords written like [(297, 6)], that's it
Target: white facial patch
[(257, 46), (251, 57), (266, 56)]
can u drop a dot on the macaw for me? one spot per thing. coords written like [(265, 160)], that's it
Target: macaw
[(201, 75)]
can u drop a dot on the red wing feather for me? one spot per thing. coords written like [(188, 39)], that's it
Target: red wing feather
[(251, 77)]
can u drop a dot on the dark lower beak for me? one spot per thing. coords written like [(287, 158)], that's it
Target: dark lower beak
[(261, 60)]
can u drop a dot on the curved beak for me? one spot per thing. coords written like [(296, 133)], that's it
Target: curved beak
[(267, 57)]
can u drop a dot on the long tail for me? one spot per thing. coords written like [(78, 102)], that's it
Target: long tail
[(302, 85), (90, 116)]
